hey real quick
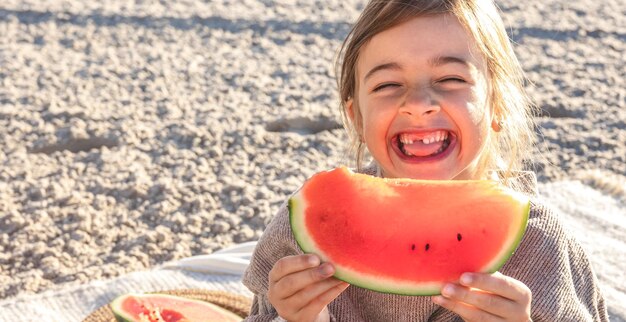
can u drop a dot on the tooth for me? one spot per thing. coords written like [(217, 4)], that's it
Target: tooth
[(438, 136), (406, 139)]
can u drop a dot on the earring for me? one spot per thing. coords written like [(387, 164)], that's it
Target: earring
[(497, 125)]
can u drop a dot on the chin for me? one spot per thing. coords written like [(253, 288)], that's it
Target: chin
[(420, 174)]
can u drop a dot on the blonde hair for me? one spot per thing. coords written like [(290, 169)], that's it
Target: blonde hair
[(507, 97)]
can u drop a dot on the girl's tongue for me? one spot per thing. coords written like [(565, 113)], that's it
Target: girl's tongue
[(419, 149)]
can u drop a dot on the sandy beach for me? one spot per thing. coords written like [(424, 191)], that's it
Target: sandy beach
[(138, 133)]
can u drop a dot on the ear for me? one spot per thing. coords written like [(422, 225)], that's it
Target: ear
[(350, 109), (356, 123)]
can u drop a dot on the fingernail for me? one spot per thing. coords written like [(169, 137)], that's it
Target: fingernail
[(437, 299), (326, 270), (466, 278), (448, 290)]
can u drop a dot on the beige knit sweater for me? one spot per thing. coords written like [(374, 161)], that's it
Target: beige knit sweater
[(548, 260)]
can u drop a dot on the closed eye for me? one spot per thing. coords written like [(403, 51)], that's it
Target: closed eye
[(453, 79), (384, 86)]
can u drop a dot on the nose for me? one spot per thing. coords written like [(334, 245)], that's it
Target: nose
[(419, 102)]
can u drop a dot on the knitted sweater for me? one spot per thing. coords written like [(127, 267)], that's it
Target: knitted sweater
[(549, 261)]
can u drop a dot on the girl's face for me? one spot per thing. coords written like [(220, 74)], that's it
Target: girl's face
[(422, 93)]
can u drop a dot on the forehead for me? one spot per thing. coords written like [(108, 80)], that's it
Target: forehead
[(420, 40)]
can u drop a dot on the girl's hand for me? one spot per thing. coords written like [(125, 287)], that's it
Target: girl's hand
[(300, 288), (487, 297)]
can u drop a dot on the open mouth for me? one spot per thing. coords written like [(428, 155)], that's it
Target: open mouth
[(423, 146)]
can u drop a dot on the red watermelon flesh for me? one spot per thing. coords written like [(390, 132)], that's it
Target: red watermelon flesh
[(167, 308), (407, 236)]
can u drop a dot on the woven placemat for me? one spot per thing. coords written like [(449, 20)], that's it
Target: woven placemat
[(235, 303)]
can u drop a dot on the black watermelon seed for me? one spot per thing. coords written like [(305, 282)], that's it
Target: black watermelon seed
[(427, 247), (458, 237), (413, 247)]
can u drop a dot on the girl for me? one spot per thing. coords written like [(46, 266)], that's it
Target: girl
[(432, 90)]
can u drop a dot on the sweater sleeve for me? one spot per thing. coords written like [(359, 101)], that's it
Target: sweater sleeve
[(557, 270), (276, 242)]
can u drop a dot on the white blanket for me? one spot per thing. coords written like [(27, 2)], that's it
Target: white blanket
[(219, 271)]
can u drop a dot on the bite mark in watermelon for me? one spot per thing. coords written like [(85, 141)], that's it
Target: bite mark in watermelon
[(406, 236), (167, 308)]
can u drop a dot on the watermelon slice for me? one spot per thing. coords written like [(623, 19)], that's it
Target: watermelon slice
[(406, 236), (167, 308)]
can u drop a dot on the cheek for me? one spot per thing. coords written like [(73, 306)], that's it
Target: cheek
[(370, 117), (471, 114), (478, 120), (477, 114), (371, 128), (377, 119), (476, 108), (480, 102)]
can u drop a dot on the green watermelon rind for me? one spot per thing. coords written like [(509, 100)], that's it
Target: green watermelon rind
[(517, 240), (121, 316), (297, 204)]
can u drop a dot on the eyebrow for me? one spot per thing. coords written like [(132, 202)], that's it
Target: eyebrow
[(392, 66), (443, 60), (435, 62)]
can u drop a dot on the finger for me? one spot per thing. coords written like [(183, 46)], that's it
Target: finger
[(318, 303), (293, 305), (291, 264), (485, 301), (497, 283), (466, 311), (294, 282), (308, 295)]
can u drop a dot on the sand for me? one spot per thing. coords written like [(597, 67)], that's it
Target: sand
[(135, 134)]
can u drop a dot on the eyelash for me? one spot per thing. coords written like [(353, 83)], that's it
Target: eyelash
[(453, 79), (383, 86)]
